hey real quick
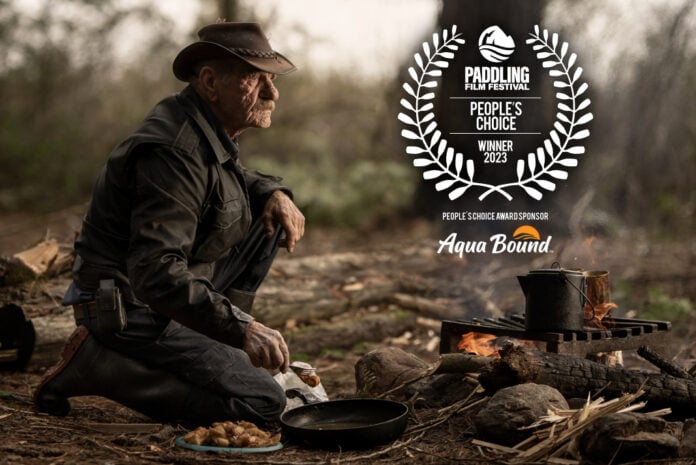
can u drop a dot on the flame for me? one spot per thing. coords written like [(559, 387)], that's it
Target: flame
[(479, 344), (600, 315)]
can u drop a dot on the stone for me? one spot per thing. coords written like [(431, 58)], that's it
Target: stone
[(688, 442), (627, 437), (514, 407)]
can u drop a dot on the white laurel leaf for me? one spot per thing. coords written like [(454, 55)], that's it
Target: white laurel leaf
[(454, 30), (537, 47), (460, 41), (428, 117), (580, 135), (434, 139), (536, 30), (443, 185), (560, 84), (409, 90), (430, 127), (404, 118), (436, 39), (470, 169), (413, 150), (581, 89), (413, 74), (530, 41), (569, 162), (547, 185), (520, 169), (419, 60), (543, 55), (571, 60), (562, 117), (556, 73), (562, 96), (564, 107), (426, 49), (533, 193), (577, 74), (541, 156), (546, 35), (564, 49), (531, 162), (453, 47), (428, 96), (555, 138), (429, 84), (447, 55), (584, 104), (432, 174), (426, 107), (554, 40), (586, 118), (458, 192), (449, 157), (441, 64), (549, 147), (458, 162), (406, 104), (409, 134), (441, 148), (558, 174), (549, 64), (444, 35), (434, 73), (559, 127)]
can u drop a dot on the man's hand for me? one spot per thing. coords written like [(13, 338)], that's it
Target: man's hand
[(266, 347), (280, 209)]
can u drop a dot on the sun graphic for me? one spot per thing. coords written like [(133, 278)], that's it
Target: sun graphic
[(526, 233)]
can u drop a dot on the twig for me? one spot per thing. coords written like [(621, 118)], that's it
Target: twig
[(377, 453), (662, 363)]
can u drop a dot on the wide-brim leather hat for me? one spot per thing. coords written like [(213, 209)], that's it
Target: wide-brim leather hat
[(245, 41)]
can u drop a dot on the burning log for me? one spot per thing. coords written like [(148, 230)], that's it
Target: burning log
[(576, 377)]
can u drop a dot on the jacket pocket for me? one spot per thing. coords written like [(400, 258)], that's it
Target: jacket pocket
[(219, 231)]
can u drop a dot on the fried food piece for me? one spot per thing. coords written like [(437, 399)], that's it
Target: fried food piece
[(312, 380), (234, 434)]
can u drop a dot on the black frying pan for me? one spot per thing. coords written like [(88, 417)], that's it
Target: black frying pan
[(345, 424)]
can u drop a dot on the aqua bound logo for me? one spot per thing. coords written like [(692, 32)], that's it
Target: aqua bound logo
[(525, 239)]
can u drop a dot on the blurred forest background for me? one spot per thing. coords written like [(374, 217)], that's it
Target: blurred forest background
[(66, 101)]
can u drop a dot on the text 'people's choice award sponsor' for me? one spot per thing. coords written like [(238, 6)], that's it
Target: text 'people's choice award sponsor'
[(499, 150)]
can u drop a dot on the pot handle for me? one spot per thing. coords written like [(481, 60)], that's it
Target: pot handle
[(582, 293)]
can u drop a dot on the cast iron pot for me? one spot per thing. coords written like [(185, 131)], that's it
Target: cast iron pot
[(554, 299), (345, 424)]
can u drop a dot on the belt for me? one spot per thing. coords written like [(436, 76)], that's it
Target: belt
[(87, 310)]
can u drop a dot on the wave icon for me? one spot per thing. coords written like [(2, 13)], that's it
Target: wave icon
[(495, 46)]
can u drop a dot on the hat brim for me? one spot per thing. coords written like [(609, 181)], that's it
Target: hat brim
[(187, 59)]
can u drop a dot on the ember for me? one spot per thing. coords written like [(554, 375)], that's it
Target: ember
[(479, 344)]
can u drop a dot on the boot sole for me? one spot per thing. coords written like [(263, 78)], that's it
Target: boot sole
[(77, 338)]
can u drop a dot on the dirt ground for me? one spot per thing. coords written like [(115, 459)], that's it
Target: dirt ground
[(98, 431)]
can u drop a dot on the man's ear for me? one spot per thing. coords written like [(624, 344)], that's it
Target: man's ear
[(206, 82)]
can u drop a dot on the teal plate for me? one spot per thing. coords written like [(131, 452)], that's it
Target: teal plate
[(242, 450)]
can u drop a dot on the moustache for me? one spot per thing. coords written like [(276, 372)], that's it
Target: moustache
[(264, 105)]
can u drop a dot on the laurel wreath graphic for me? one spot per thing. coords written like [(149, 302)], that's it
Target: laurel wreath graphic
[(535, 174)]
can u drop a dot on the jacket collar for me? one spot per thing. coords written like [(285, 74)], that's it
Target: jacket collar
[(225, 149)]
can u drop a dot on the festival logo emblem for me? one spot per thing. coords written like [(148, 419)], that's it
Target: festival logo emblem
[(497, 97), (495, 46)]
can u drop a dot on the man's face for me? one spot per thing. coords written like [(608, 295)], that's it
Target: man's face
[(245, 98)]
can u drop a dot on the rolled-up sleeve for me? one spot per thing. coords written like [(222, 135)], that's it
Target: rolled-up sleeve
[(260, 187), (169, 190)]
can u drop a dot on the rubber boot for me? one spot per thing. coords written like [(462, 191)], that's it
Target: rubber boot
[(88, 368)]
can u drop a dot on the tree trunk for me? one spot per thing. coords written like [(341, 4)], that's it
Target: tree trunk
[(576, 377)]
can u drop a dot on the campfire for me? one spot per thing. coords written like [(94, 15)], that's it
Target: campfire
[(479, 344)]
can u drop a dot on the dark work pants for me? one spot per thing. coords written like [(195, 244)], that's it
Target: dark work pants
[(234, 386)]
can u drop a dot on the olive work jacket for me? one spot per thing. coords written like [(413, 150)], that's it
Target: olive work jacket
[(171, 200)]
